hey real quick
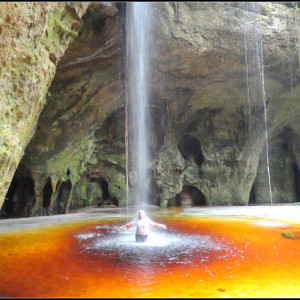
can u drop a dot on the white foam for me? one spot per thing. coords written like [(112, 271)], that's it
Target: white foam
[(173, 247), (85, 236)]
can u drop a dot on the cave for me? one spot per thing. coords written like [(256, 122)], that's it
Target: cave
[(63, 196), (20, 197), (106, 198), (252, 196), (104, 186), (47, 193), (297, 181), (189, 196), (190, 149)]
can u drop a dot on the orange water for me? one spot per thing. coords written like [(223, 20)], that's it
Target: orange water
[(49, 262)]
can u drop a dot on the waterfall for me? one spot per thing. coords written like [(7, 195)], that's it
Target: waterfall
[(254, 58), (260, 58), (248, 82), (137, 94)]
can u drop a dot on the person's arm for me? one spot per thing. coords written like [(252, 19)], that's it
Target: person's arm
[(155, 225), (128, 225)]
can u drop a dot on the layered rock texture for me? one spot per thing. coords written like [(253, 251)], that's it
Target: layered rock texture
[(216, 79), (33, 37), (220, 73)]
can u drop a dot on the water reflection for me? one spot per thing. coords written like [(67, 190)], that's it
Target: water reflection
[(203, 256)]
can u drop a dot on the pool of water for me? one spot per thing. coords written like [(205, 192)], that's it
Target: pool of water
[(197, 256)]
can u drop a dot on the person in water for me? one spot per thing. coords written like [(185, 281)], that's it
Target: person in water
[(142, 225)]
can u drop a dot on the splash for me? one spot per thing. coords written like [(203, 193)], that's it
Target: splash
[(167, 248)]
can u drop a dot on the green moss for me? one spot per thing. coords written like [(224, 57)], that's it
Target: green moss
[(164, 203), (114, 158), (73, 157), (58, 29), (94, 194), (88, 192), (117, 185), (81, 191)]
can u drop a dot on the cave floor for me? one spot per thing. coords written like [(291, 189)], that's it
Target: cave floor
[(284, 212)]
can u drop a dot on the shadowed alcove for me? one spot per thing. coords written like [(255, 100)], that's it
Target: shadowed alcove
[(47, 193), (63, 196), (20, 197), (190, 149), (189, 196)]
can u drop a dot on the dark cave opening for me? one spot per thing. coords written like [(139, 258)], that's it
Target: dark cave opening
[(63, 196), (190, 149), (47, 193), (190, 196), (252, 196), (98, 25), (297, 181), (104, 186), (107, 199), (8, 205), (20, 197)]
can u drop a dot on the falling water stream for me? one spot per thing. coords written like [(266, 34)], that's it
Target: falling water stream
[(254, 59), (137, 78), (260, 58)]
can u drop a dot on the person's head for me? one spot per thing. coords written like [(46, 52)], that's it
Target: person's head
[(141, 214)]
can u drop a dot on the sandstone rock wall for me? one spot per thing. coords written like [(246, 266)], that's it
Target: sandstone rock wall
[(34, 36), (73, 132), (202, 63)]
